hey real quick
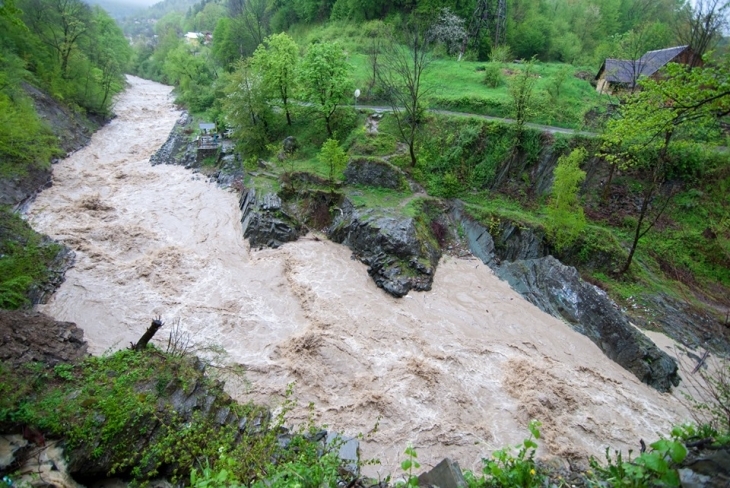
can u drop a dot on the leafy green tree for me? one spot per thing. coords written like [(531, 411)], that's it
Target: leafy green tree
[(276, 60), (245, 106), (59, 24), (334, 157), (664, 113), (325, 79), (565, 217), (522, 91)]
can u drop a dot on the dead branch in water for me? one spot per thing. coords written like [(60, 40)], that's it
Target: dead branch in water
[(141, 345)]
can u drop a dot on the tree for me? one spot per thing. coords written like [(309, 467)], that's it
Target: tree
[(276, 60), (566, 219), (700, 24), (401, 76), (522, 90), (334, 157), (245, 106), (325, 79), (449, 30), (254, 16), (59, 24), (664, 113)]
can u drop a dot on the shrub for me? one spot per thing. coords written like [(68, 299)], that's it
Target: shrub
[(508, 469), (493, 76), (565, 218), (656, 467), (500, 54)]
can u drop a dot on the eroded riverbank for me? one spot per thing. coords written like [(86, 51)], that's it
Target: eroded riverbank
[(456, 371)]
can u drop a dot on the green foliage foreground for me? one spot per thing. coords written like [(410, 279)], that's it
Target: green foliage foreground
[(25, 259), (118, 410)]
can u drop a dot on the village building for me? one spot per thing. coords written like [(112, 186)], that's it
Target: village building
[(193, 38), (623, 74)]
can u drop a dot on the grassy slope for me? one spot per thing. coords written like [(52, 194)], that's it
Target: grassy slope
[(458, 85)]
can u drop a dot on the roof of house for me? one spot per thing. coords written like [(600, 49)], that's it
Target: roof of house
[(628, 71), (653, 61), (206, 126)]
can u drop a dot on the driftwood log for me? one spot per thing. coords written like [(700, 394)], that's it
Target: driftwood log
[(141, 345)]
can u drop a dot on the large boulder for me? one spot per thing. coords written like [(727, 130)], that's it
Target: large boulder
[(398, 260), (264, 222), (373, 172)]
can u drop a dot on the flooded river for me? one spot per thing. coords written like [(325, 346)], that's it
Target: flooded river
[(457, 371)]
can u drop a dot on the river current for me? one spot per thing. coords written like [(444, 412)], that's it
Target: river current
[(457, 371)]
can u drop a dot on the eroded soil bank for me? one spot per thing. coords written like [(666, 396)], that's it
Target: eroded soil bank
[(456, 371)]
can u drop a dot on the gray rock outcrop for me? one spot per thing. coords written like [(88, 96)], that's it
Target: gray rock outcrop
[(373, 172), (27, 337), (175, 148), (398, 261), (518, 257), (264, 222), (558, 290)]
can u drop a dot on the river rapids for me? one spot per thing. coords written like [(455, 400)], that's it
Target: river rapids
[(458, 371)]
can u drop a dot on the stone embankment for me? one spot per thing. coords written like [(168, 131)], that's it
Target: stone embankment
[(181, 149)]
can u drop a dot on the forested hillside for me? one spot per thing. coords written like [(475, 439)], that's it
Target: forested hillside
[(74, 52), (61, 63)]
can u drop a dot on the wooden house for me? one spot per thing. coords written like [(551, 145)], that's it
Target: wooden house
[(623, 74)]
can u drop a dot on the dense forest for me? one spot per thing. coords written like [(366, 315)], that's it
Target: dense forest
[(74, 52)]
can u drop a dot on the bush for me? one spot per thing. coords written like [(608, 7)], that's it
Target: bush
[(500, 54), (493, 76), (565, 218), (508, 469)]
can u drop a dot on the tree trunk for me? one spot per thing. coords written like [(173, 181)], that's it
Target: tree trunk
[(637, 234), (147, 336), (412, 152)]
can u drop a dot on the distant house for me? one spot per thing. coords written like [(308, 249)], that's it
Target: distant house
[(622, 74), (193, 38)]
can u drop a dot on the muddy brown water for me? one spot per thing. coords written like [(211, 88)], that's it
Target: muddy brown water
[(457, 371)]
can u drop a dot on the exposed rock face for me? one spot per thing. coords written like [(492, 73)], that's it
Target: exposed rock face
[(264, 222), (17, 190), (398, 260), (62, 262), (558, 290), (289, 145), (373, 172), (33, 336), (706, 469), (175, 148), (682, 321)]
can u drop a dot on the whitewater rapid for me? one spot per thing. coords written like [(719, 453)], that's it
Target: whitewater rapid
[(457, 371)]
